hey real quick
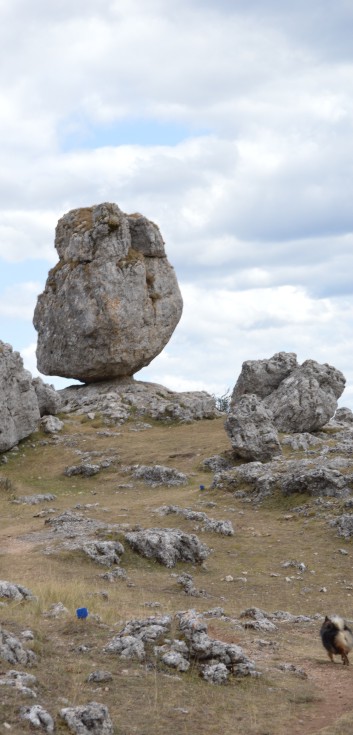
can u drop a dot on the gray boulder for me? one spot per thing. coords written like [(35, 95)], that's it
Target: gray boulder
[(156, 475), (307, 398), (168, 546), (301, 398), (90, 719), (262, 377), (19, 411), (51, 424), (250, 428), (11, 591), (112, 302), (38, 717), (131, 641), (12, 650), (106, 553), (49, 400)]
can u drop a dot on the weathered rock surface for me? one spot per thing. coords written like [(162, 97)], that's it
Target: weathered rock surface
[(11, 591), (107, 553), (116, 400), (225, 528), (90, 719), (168, 545), (262, 377), (12, 650), (38, 717), (112, 302), (307, 398), (51, 424), (301, 398), (140, 639), (49, 400), (21, 681), (251, 430), (156, 475), (316, 476), (19, 411)]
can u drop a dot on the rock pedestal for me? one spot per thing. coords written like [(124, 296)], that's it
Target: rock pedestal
[(112, 302)]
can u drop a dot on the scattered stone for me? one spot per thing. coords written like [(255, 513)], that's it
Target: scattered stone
[(186, 582), (294, 563), (100, 676), (56, 610), (215, 674), (157, 475), (225, 528), (35, 499), (19, 412), (107, 553), (86, 470), (90, 719), (292, 669), (112, 576), (116, 294), (130, 642), (38, 717), (251, 430), (257, 620), (11, 591), (344, 525), (51, 424), (168, 546), (344, 416), (21, 681), (12, 650), (217, 463)]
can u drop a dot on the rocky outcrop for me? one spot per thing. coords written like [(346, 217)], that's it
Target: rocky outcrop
[(301, 398), (112, 302), (90, 719), (19, 412), (316, 477), (158, 475), (252, 433), (12, 650), (117, 400), (49, 400), (38, 717), (307, 398), (262, 377), (11, 591), (168, 545)]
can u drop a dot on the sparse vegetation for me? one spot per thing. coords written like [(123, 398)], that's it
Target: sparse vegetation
[(148, 699)]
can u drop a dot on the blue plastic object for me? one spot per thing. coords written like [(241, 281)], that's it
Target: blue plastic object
[(202, 487), (82, 613)]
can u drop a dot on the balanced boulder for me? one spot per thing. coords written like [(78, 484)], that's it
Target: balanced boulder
[(112, 302)]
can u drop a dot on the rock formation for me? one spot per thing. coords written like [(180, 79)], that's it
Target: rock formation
[(19, 411), (251, 431), (300, 397), (112, 302)]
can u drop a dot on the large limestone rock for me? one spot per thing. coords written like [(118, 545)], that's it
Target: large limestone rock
[(307, 398), (262, 377), (301, 398), (251, 430), (19, 411), (112, 302)]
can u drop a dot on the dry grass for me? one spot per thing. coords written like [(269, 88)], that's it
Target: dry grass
[(147, 701)]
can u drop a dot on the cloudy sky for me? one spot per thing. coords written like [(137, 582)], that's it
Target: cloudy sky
[(229, 123)]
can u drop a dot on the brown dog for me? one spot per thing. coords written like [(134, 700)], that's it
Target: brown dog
[(337, 638)]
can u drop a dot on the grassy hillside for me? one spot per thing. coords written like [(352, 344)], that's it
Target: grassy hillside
[(147, 700)]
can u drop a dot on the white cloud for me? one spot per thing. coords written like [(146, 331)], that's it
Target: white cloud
[(255, 206)]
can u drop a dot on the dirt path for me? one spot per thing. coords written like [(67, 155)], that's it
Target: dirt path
[(334, 686)]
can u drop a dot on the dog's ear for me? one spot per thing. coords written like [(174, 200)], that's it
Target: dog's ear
[(326, 619)]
